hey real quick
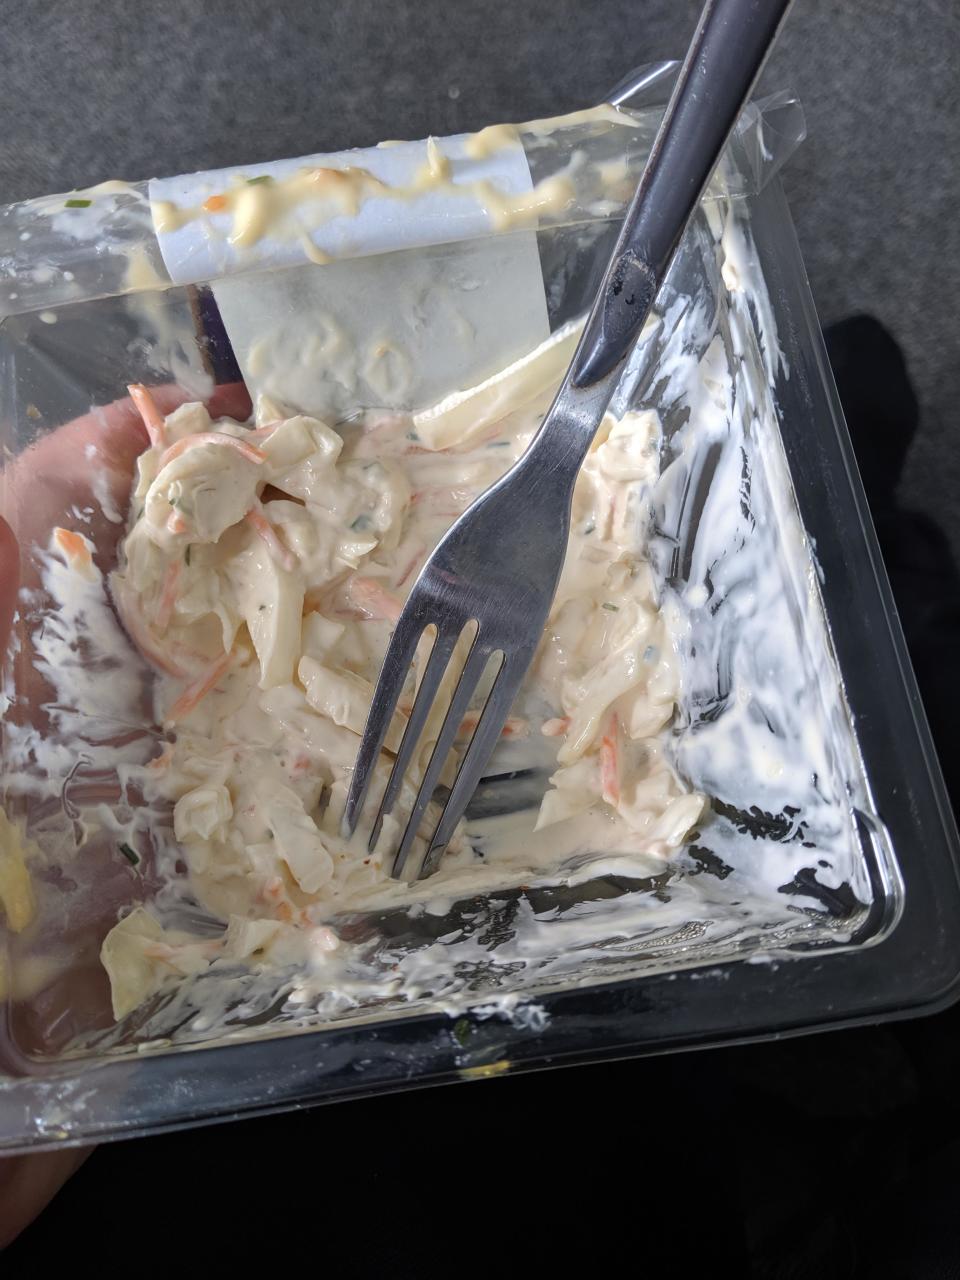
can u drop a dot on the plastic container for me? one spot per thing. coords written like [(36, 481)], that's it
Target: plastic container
[(785, 597)]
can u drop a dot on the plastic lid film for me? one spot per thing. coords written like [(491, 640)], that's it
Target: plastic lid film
[(577, 169)]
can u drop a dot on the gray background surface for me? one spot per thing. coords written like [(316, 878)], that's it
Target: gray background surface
[(133, 88)]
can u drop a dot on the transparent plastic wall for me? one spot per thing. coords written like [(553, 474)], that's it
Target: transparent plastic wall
[(794, 857)]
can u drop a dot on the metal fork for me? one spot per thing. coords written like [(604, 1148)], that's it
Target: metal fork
[(498, 565)]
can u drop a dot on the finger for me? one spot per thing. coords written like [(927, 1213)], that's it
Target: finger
[(117, 433), (87, 465), (88, 461), (9, 581), (29, 1183)]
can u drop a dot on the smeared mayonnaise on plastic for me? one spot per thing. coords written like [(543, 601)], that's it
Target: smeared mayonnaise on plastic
[(250, 208)]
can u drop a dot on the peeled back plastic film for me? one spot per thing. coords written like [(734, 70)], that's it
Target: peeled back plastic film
[(119, 237)]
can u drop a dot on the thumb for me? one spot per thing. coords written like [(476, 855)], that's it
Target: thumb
[(27, 1183)]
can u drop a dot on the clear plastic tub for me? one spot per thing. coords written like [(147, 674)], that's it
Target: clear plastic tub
[(821, 889)]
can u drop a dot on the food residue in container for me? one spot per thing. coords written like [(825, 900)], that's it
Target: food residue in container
[(261, 576)]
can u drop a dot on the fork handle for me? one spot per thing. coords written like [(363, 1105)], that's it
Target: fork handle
[(725, 57)]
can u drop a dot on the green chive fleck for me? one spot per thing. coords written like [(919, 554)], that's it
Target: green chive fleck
[(361, 523), (78, 204), (614, 608), (129, 854), (412, 435), (589, 529), (261, 181), (461, 1031)]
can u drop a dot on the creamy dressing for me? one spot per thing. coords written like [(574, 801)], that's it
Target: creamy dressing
[(488, 141), (248, 208), (141, 275)]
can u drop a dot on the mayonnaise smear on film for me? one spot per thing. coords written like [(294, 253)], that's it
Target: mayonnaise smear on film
[(478, 183), (674, 779)]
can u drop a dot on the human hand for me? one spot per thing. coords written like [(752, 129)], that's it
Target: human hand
[(86, 464)]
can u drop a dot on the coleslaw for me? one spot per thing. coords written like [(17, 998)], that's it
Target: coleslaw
[(261, 573)]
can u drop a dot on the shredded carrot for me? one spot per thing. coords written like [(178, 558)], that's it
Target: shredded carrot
[(168, 596), (158, 951), (441, 501), (381, 437), (555, 728), (612, 520), (196, 692), (610, 763), (176, 523), (70, 543), (249, 451), (162, 761), (316, 600), (284, 912), (411, 566), (264, 433), (214, 204), (140, 634), (76, 550), (336, 177), (153, 419), (373, 599), (513, 727), (278, 552)]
